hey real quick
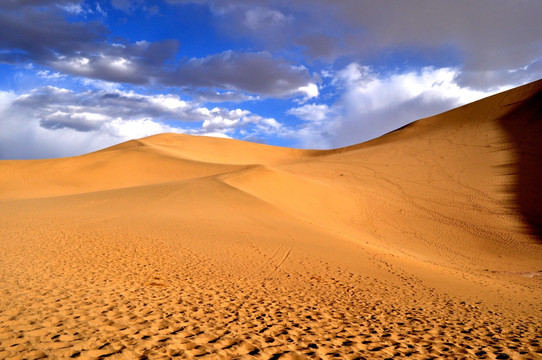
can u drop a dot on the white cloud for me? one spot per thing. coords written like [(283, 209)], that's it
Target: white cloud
[(78, 65), (134, 129), (311, 112), (169, 102), (120, 64), (205, 133), (46, 74), (367, 92), (373, 104), (310, 90), (52, 121), (73, 8), (221, 121), (23, 135), (6, 99)]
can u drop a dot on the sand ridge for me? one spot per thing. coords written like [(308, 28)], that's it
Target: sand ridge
[(417, 244)]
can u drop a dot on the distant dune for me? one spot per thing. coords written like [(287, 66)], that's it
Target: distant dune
[(425, 242)]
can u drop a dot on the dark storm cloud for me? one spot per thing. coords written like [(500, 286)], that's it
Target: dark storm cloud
[(319, 45), (490, 35), (256, 73), (138, 63), (40, 34), (29, 34), (45, 37)]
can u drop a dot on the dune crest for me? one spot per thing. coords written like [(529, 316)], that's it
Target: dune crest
[(423, 243)]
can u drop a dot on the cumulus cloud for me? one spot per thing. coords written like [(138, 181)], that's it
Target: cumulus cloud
[(373, 104), (32, 123)]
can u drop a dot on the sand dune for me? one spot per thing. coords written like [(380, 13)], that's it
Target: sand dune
[(423, 243)]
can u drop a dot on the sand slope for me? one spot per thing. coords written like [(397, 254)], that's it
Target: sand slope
[(422, 243)]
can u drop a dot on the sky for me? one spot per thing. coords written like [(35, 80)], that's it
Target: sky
[(80, 75)]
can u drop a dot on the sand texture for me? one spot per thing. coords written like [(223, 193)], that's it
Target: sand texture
[(424, 243)]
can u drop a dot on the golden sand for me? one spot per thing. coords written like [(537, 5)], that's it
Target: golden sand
[(423, 243)]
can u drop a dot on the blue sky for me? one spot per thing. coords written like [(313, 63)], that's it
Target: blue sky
[(80, 75)]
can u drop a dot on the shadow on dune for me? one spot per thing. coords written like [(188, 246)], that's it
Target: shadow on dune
[(524, 127)]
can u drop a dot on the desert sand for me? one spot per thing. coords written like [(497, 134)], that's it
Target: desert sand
[(423, 243)]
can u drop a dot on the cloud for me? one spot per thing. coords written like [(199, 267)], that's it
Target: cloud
[(41, 35), (6, 99), (28, 34), (203, 95), (493, 42), (222, 122), (373, 104), (260, 17), (81, 121), (32, 123), (489, 34), (73, 8), (486, 36), (311, 112), (256, 73), (320, 45), (486, 45), (139, 63), (310, 90), (65, 124), (22, 137), (86, 111), (490, 79), (46, 74)]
